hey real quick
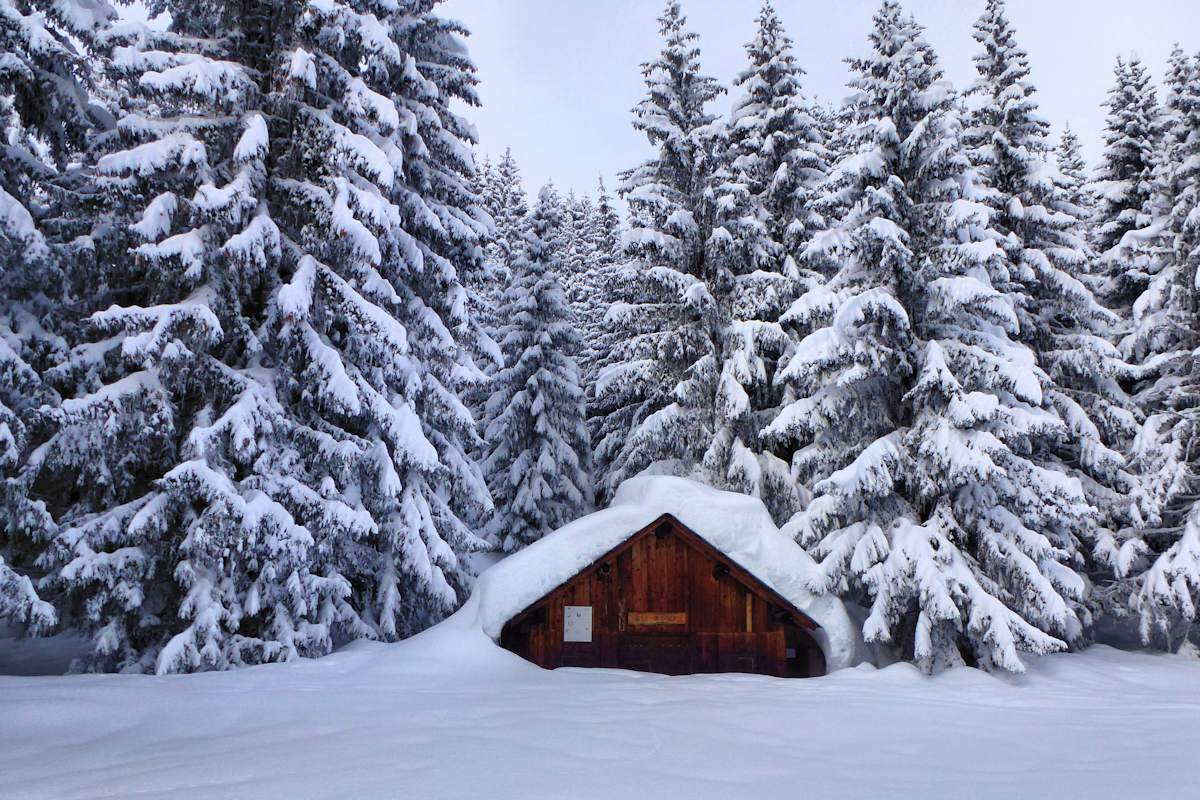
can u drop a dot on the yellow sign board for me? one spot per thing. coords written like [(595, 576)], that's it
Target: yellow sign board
[(642, 618)]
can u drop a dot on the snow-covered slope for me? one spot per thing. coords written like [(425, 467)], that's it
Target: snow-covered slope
[(737, 525), (449, 717)]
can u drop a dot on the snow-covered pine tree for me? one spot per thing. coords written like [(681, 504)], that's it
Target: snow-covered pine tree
[(1059, 318), (762, 218), (443, 218), (1076, 200), (175, 550), (47, 80), (487, 283), (792, 159), (1124, 182), (539, 457), (47, 117), (564, 223), (578, 249), (485, 177), (1072, 170), (19, 602), (650, 396), (1160, 343), (832, 120), (1167, 594), (505, 202), (1162, 326), (270, 452), (483, 287), (502, 197), (1152, 246), (915, 409), (603, 236), (607, 223), (589, 246), (573, 246), (25, 524)]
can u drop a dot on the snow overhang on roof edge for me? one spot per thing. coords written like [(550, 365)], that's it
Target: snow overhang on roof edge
[(736, 525)]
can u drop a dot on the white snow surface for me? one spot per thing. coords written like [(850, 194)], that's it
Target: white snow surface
[(448, 715), (735, 524)]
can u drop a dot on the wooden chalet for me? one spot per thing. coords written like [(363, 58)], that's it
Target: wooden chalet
[(667, 601)]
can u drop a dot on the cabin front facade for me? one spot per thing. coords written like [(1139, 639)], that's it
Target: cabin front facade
[(666, 601)]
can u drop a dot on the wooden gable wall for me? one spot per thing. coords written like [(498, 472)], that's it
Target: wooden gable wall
[(667, 601)]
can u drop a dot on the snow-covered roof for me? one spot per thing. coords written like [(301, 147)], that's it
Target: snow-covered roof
[(736, 525)]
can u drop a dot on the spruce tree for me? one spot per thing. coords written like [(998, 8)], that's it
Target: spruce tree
[(539, 461), (1076, 201), (652, 398), (1072, 171), (1166, 594), (25, 524), (782, 137), (595, 296), (587, 248), (1124, 183), (607, 225), (442, 217), (763, 220), (505, 201), (1152, 246), (575, 248), (502, 196), (1058, 317), (586, 253), (269, 452), (915, 406), (485, 284), (48, 117), (1161, 337)]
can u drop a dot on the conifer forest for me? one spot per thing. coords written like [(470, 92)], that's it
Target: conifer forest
[(284, 351)]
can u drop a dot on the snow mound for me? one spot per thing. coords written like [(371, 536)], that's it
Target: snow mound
[(737, 525)]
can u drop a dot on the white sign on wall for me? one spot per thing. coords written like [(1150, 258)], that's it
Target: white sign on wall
[(577, 623)]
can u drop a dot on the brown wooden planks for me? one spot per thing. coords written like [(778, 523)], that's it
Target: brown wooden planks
[(666, 601), (737, 652), (702, 594)]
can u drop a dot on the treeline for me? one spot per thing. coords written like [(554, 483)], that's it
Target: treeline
[(954, 365), (277, 356)]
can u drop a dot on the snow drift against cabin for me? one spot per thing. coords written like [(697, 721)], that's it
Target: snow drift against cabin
[(737, 525)]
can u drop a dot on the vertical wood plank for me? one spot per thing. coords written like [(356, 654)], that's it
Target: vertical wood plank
[(685, 584), (624, 588), (732, 618), (638, 595), (552, 638), (652, 563), (702, 593), (762, 614)]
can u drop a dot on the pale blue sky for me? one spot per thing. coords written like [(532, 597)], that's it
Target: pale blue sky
[(559, 76)]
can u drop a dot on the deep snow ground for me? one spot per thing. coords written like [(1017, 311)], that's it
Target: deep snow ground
[(448, 715)]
